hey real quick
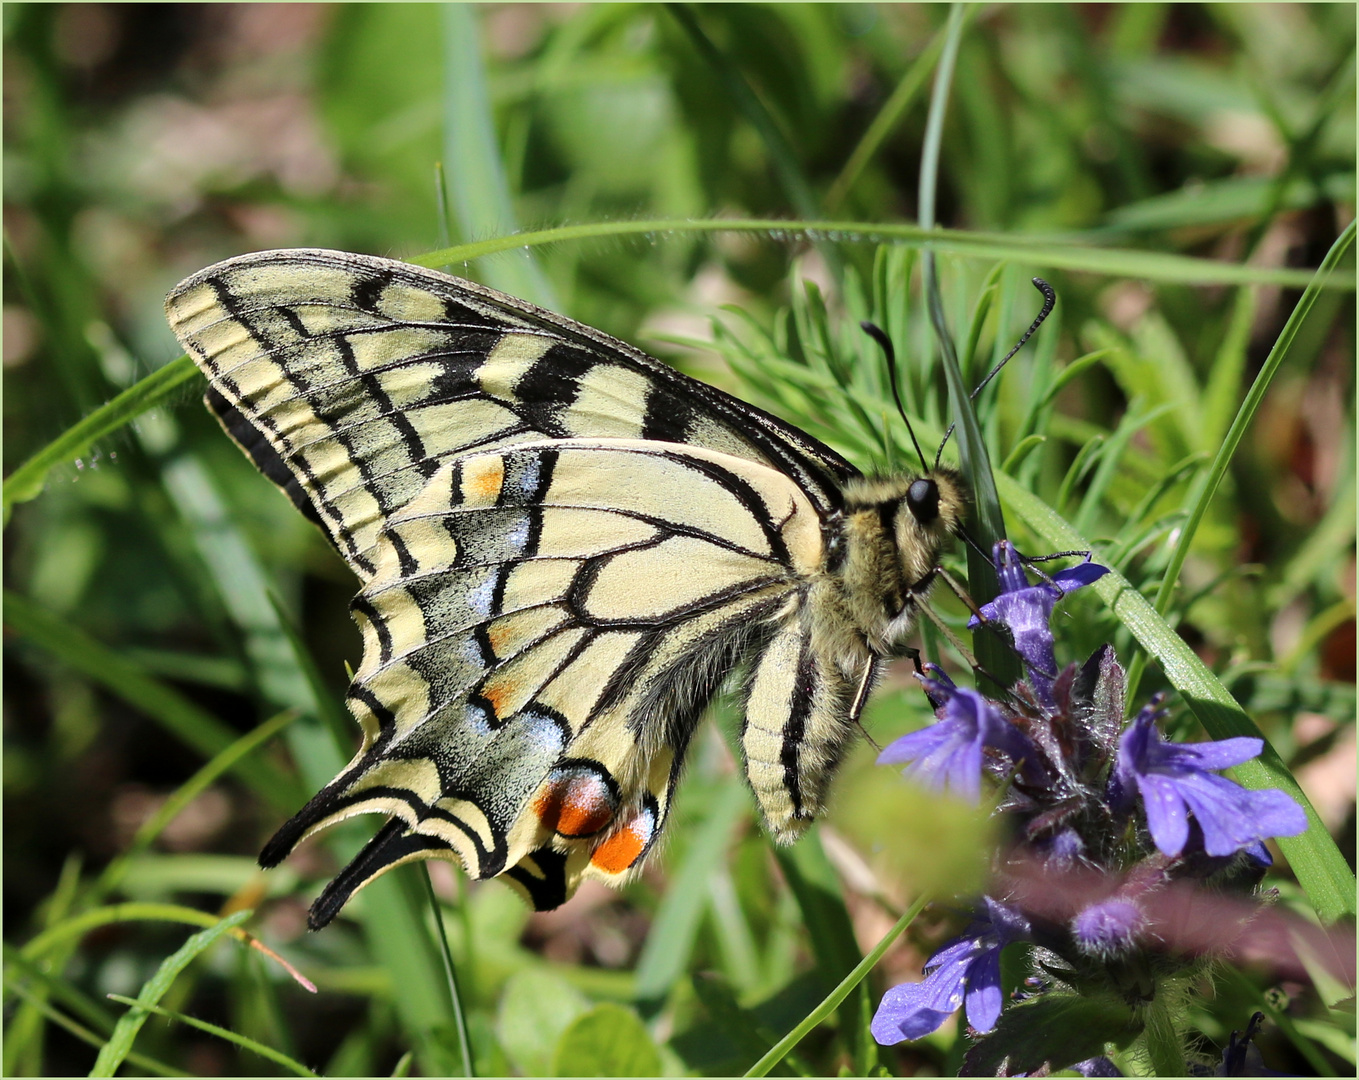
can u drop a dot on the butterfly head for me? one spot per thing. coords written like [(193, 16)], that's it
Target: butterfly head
[(930, 511), (893, 531)]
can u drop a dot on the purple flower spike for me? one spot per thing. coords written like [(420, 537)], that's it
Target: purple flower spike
[(948, 754), (965, 971), (1175, 779), (1025, 609), (1108, 928)]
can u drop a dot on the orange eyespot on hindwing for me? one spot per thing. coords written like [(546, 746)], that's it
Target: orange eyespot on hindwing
[(620, 851), (578, 798)]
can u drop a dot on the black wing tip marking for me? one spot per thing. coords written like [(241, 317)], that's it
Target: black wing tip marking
[(257, 447), (548, 891), (392, 844), (281, 844)]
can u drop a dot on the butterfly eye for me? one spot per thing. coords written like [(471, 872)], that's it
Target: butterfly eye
[(922, 498)]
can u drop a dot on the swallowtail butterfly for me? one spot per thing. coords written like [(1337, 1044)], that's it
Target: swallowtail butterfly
[(564, 548)]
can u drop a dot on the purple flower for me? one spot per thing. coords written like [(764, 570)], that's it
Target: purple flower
[(1095, 1066), (966, 970), (1063, 850), (1108, 928), (1241, 1057), (1174, 779), (948, 754), (1025, 610)]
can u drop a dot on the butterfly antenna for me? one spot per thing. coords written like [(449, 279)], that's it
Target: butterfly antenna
[(885, 343), (1049, 301)]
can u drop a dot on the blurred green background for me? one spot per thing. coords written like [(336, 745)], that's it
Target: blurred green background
[(165, 599)]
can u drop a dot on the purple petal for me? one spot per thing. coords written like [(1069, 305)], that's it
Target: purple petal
[(1167, 817), (1006, 923), (913, 1010), (948, 754), (952, 952), (915, 744), (1009, 567), (1233, 817), (983, 990), (1222, 754), (954, 767), (1077, 577)]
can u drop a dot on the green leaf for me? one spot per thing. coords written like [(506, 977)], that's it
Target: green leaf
[(609, 1040), (536, 1008), (115, 1051), (1055, 1030)]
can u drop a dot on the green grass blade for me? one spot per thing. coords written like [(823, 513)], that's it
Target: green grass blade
[(241, 582), (175, 713), (393, 917), (1244, 416), (675, 927), (482, 202), (988, 518), (886, 120), (781, 155), (832, 1000), (85, 1035), (115, 1051), (816, 887), (1314, 857), (454, 993), (1041, 251), (268, 1052), (23, 1035), (55, 989), (26, 482), (1110, 453), (79, 925)]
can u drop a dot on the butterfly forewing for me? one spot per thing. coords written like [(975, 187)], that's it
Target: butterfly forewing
[(350, 379), (564, 546)]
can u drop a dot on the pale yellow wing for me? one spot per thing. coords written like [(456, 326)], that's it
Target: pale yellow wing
[(542, 631), (351, 380)]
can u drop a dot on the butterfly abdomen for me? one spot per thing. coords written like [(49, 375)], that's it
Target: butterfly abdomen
[(805, 686)]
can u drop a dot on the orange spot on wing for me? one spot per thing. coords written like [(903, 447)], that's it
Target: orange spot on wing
[(500, 634), (574, 805), (498, 694), (619, 851), (484, 479)]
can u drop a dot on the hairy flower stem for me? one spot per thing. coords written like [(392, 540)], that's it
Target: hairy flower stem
[(1160, 1041)]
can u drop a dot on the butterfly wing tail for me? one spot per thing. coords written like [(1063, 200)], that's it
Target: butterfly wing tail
[(393, 845)]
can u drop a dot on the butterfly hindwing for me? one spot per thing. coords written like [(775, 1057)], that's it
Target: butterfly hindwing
[(544, 627)]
